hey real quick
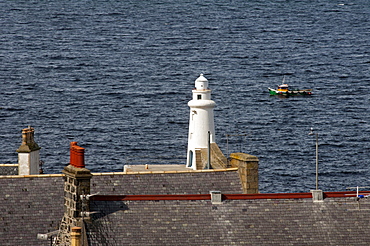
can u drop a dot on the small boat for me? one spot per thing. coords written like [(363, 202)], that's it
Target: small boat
[(284, 90)]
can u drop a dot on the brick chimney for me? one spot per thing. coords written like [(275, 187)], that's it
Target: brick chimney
[(76, 186), (28, 153)]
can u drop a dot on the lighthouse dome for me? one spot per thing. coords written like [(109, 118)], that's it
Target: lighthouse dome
[(201, 83)]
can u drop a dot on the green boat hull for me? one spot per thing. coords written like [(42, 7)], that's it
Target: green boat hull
[(274, 92)]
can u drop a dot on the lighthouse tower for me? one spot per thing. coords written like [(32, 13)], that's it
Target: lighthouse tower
[(201, 125)]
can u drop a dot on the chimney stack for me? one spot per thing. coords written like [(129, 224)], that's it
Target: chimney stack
[(76, 188), (28, 153), (248, 171)]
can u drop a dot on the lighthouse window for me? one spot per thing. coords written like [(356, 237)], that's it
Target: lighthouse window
[(199, 97)]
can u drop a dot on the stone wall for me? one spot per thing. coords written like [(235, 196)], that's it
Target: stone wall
[(218, 159), (76, 187)]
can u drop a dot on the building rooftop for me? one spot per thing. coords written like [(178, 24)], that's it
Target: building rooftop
[(176, 209), (173, 205), (268, 221)]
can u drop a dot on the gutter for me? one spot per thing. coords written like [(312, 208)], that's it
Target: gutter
[(224, 196)]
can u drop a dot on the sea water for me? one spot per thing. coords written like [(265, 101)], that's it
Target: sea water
[(116, 76)]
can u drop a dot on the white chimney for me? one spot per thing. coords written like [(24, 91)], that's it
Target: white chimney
[(28, 153)]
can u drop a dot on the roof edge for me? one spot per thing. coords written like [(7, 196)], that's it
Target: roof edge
[(165, 172), (267, 196), (30, 176), (118, 173)]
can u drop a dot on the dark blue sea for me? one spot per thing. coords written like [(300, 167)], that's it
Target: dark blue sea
[(116, 76)]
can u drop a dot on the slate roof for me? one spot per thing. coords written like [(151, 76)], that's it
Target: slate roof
[(34, 204), (167, 183), (336, 221), (8, 169), (29, 205)]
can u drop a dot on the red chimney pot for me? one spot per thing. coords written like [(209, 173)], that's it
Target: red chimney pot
[(77, 155)]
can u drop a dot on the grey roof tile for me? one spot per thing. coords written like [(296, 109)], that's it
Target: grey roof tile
[(239, 222), (29, 206), (35, 205)]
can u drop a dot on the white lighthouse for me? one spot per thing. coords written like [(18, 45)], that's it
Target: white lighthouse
[(201, 125)]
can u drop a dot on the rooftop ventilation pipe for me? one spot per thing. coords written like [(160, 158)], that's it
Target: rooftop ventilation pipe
[(216, 197)]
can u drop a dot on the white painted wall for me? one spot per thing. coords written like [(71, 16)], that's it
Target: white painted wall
[(29, 163)]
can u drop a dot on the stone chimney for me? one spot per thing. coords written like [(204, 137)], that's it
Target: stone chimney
[(76, 188), (248, 171), (28, 153)]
